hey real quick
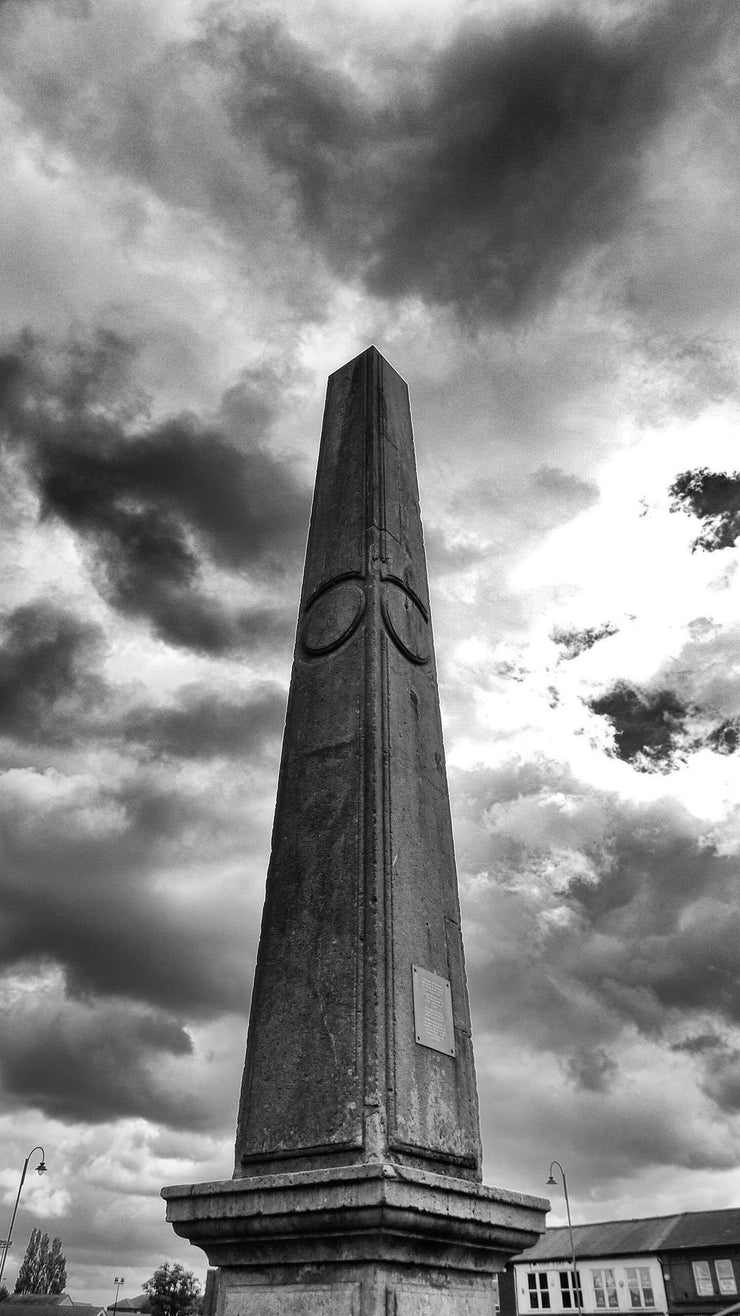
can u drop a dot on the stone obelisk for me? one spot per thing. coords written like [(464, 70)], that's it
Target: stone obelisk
[(356, 1189)]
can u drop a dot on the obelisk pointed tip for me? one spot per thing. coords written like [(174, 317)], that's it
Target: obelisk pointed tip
[(370, 355)]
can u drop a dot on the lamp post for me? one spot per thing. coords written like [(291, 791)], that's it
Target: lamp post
[(40, 1169), (118, 1282), (550, 1182)]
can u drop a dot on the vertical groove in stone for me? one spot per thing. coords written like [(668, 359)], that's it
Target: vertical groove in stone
[(375, 1123)]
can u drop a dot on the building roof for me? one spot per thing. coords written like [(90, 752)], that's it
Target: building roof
[(688, 1229), (141, 1302), (609, 1238), (41, 1299), (705, 1229), (46, 1304)]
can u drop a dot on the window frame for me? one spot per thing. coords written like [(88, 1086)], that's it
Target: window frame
[(570, 1288), (605, 1287), (539, 1290), (704, 1286), (731, 1277), (639, 1285)]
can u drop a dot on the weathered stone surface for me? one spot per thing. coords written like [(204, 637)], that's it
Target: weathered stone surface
[(291, 1300), (356, 1189), (362, 881), (374, 1297), (375, 1235), (379, 1294), (454, 1300), (397, 1212)]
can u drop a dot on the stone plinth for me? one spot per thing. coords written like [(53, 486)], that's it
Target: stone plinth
[(357, 1240)]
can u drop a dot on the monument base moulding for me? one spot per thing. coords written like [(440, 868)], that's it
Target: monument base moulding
[(362, 1240)]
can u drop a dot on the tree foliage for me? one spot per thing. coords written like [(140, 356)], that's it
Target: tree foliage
[(174, 1291), (44, 1267)]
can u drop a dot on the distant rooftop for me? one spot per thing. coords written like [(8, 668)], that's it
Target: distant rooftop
[(48, 1304), (41, 1299), (688, 1229)]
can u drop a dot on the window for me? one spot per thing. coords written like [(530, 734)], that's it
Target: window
[(605, 1288), (726, 1281), (539, 1291), (570, 1291), (640, 1286), (702, 1278)]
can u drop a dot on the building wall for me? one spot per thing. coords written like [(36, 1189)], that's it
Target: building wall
[(506, 1291), (615, 1284), (702, 1281)]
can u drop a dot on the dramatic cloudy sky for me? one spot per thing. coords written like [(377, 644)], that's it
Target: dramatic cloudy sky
[(532, 210)]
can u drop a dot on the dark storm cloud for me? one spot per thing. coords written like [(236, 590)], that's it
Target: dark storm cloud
[(52, 693), (76, 1062), (664, 924), (505, 157), (103, 851), (48, 672), (594, 917), (713, 497), (474, 175), (648, 726), (154, 503), (203, 724)]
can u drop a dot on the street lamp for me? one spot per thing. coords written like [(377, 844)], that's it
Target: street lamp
[(118, 1282), (40, 1169), (551, 1181)]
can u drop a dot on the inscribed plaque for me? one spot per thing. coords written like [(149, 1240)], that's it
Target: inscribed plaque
[(433, 1011)]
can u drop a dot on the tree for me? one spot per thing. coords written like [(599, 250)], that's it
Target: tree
[(56, 1268), (44, 1267), (174, 1291)]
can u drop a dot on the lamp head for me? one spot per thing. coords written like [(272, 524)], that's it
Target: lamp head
[(551, 1182), (41, 1168)]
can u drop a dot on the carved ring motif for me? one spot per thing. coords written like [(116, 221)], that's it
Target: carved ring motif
[(334, 612), (406, 620), (332, 615)]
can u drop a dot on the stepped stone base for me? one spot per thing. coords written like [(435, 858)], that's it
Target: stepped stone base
[(361, 1240)]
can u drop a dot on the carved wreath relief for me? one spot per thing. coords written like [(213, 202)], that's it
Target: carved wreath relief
[(336, 609)]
